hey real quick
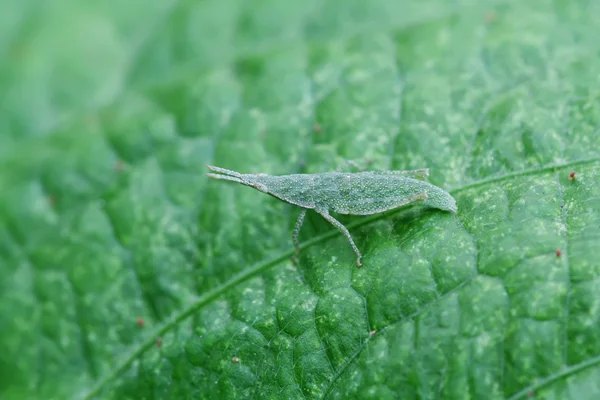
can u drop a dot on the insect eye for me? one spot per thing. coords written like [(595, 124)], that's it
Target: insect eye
[(261, 187)]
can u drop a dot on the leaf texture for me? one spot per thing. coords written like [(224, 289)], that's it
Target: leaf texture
[(126, 274)]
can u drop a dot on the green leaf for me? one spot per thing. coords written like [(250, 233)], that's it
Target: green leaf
[(127, 274)]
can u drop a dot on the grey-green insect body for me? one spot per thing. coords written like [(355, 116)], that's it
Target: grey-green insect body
[(359, 193)]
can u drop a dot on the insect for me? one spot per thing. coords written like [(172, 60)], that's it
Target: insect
[(358, 193)]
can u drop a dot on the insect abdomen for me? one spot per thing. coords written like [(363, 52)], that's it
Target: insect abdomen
[(365, 193)]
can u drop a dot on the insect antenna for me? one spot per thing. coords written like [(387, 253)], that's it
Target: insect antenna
[(224, 171), (226, 175), (226, 178)]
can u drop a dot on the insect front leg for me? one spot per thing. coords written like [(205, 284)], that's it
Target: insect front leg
[(297, 227), (345, 231)]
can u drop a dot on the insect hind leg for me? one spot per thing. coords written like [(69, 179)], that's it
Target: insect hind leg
[(345, 231)]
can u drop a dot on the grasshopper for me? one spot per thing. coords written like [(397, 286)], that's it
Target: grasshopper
[(358, 193)]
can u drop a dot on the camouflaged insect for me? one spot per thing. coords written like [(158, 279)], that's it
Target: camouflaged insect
[(358, 193)]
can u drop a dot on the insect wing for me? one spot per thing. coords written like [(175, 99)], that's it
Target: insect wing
[(370, 193)]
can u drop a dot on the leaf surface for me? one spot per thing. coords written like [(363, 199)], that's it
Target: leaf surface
[(127, 274)]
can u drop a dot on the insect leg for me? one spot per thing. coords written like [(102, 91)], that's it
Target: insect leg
[(299, 222), (345, 231)]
